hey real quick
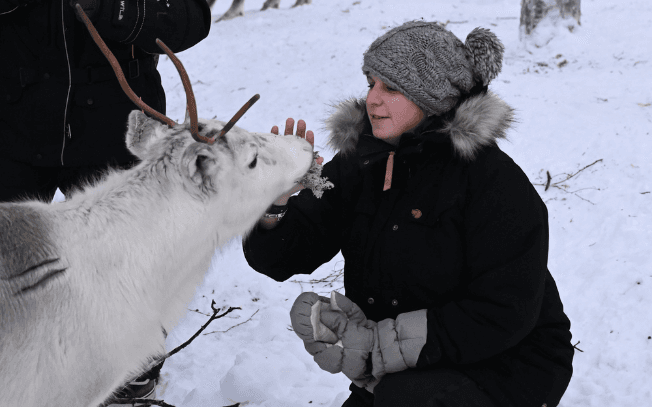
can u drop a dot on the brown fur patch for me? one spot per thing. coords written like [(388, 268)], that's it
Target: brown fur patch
[(25, 239)]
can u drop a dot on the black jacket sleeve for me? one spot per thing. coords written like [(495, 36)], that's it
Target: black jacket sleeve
[(506, 243), (307, 236), (180, 24)]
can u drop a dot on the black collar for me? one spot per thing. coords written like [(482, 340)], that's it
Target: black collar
[(426, 139)]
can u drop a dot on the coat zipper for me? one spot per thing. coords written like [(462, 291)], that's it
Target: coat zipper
[(66, 125), (7, 12)]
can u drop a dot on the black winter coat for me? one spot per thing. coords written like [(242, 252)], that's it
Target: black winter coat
[(60, 102), (461, 232)]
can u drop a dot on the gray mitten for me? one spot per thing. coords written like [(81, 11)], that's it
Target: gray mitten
[(358, 336), (317, 338), (341, 339), (336, 333)]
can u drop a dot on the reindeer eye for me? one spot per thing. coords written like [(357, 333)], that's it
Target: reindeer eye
[(253, 162)]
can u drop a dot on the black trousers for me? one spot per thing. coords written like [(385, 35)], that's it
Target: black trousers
[(419, 388), (20, 181)]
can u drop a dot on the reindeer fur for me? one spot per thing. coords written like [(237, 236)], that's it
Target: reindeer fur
[(87, 284)]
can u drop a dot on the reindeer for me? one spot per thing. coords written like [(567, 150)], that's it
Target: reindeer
[(86, 284), (237, 7)]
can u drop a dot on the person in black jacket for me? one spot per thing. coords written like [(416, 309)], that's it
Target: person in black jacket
[(63, 113), (449, 301)]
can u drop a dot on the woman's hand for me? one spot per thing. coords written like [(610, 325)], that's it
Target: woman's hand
[(310, 138)]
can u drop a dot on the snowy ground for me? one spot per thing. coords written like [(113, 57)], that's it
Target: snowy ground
[(596, 106)]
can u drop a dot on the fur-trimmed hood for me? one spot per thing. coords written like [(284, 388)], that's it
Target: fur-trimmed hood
[(479, 121)]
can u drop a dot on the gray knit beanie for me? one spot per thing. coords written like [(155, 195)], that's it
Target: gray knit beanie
[(431, 66)]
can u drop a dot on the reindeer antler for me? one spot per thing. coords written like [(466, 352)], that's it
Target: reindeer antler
[(191, 105), (237, 116), (118, 71)]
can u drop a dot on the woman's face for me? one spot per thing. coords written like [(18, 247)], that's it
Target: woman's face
[(390, 112)]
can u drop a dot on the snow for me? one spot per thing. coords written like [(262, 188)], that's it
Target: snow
[(595, 106)]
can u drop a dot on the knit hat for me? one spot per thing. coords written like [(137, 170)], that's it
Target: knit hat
[(431, 66)]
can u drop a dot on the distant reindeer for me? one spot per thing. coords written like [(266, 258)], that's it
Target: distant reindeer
[(87, 284), (237, 7)]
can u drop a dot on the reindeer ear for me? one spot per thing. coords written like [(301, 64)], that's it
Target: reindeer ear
[(141, 130), (200, 162)]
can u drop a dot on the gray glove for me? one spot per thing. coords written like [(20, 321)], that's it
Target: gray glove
[(359, 357), (305, 318), (341, 339), (315, 318)]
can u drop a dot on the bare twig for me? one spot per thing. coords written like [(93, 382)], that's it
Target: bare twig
[(574, 174), (563, 187), (244, 322), (549, 179), (212, 318), (199, 312), (329, 280), (579, 196), (149, 402), (575, 346)]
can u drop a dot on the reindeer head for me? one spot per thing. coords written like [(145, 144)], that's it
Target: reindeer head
[(240, 169)]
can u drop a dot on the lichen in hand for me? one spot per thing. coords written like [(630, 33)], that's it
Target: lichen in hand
[(313, 179)]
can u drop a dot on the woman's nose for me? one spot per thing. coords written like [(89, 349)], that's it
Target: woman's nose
[(373, 96)]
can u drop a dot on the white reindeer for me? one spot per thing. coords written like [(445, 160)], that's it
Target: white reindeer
[(237, 7), (87, 284)]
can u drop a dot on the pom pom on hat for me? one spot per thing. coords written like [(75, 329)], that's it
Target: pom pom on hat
[(487, 53)]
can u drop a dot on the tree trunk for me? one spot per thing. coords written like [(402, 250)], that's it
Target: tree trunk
[(236, 10), (271, 4), (533, 11), (302, 2)]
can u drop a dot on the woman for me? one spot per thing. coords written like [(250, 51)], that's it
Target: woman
[(449, 301)]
